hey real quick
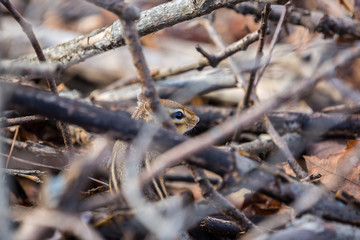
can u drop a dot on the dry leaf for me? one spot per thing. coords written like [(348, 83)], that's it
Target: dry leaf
[(339, 171), (260, 204)]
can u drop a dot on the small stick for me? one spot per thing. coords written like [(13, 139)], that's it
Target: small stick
[(280, 24), (284, 148), (215, 59), (208, 24), (12, 146), (259, 53), (32, 163), (263, 29), (33, 175)]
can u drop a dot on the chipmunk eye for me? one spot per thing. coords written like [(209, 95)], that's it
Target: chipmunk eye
[(178, 115)]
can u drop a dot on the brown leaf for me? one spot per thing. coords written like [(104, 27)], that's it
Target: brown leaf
[(339, 171), (259, 204)]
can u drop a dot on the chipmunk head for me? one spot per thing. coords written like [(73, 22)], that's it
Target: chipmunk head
[(183, 118)]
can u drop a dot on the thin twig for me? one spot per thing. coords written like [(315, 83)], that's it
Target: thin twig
[(273, 42), (208, 24), (259, 53), (33, 175), (15, 172), (27, 28), (225, 52), (214, 60), (12, 146), (249, 90), (31, 163), (284, 148)]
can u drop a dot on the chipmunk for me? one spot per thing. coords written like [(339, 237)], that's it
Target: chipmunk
[(183, 119)]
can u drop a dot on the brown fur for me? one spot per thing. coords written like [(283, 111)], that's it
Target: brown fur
[(157, 191)]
